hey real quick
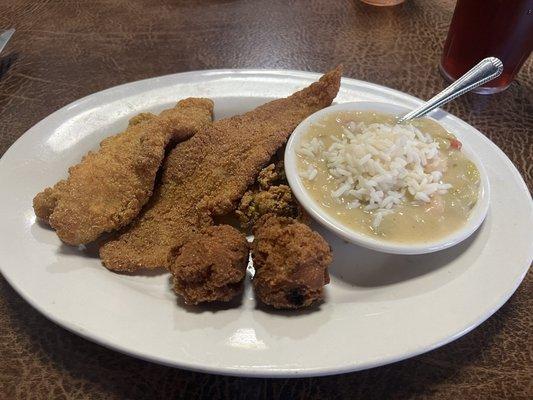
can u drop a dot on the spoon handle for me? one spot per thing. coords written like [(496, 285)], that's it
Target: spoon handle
[(486, 70)]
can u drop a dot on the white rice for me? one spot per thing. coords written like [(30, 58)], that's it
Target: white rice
[(377, 167)]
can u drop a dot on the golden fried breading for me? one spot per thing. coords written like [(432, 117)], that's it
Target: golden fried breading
[(290, 262), (207, 175), (211, 266), (107, 189), (142, 117), (44, 203), (271, 175), (277, 200), (269, 195)]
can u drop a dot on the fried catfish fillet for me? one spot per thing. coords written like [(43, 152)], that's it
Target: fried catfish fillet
[(207, 176), (108, 188)]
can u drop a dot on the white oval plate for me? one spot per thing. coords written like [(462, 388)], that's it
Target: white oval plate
[(380, 308)]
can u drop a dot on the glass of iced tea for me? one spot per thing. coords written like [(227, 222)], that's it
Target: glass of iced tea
[(484, 28)]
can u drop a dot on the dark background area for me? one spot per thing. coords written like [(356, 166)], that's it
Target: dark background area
[(64, 50)]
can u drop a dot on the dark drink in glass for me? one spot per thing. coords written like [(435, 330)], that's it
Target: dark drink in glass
[(484, 28)]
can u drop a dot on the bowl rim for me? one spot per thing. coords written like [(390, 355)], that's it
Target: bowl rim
[(474, 220)]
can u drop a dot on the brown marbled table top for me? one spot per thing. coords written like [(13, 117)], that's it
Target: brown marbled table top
[(64, 50)]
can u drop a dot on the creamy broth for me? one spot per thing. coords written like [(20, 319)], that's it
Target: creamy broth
[(412, 221)]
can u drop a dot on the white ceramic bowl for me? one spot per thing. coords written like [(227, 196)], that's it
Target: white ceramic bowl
[(474, 220)]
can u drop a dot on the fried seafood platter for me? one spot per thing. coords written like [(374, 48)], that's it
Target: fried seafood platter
[(151, 197)]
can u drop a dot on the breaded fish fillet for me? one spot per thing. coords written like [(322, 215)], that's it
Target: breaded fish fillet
[(108, 188), (207, 175)]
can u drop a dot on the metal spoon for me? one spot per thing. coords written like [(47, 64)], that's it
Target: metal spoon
[(486, 70), (4, 38)]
